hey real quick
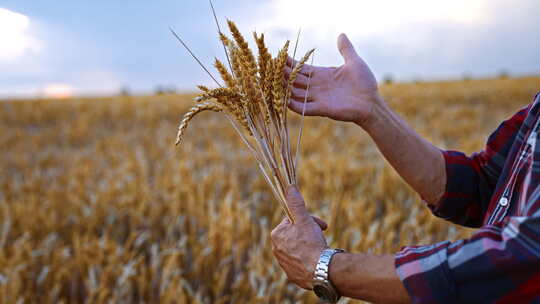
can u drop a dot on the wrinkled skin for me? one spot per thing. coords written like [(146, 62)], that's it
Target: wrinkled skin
[(297, 246)]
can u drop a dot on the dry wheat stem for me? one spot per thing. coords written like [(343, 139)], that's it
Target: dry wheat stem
[(194, 57), (278, 194), (263, 163), (285, 103), (296, 159), (270, 161), (219, 32), (266, 158), (277, 191), (255, 152), (292, 78)]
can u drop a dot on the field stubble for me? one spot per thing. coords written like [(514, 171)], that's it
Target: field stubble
[(97, 204)]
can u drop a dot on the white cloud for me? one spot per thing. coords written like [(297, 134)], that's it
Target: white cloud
[(367, 18), (377, 28), (15, 35), (414, 38), (30, 69)]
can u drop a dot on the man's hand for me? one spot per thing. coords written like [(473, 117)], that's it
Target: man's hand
[(349, 93), (297, 246), (346, 93)]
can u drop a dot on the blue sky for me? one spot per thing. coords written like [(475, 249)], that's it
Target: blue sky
[(97, 47)]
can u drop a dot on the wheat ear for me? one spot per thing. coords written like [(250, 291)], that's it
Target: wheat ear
[(205, 106), (225, 75), (278, 90), (244, 47), (203, 88), (298, 67), (217, 94)]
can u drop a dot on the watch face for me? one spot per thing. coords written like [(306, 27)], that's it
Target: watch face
[(322, 292)]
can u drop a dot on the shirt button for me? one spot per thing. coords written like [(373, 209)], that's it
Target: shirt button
[(503, 202)]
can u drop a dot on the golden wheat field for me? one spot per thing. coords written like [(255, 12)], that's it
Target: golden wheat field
[(98, 205)]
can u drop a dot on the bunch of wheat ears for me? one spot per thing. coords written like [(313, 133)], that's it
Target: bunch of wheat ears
[(254, 99)]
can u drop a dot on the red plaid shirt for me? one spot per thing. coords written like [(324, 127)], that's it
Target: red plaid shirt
[(498, 190)]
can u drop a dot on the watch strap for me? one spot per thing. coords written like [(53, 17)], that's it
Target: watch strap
[(321, 282), (323, 266)]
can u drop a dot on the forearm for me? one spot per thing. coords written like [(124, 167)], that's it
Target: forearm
[(418, 162), (367, 277)]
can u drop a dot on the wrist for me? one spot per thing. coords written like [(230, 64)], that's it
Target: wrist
[(322, 285), (339, 272), (377, 114), (367, 277)]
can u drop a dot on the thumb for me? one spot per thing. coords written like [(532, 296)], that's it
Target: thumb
[(320, 222), (346, 48), (296, 204)]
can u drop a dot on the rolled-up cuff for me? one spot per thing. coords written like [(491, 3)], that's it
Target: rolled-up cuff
[(424, 272), (459, 201)]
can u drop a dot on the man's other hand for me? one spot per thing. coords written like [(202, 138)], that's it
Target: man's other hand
[(346, 93)]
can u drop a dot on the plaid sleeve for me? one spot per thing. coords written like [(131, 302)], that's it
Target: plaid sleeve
[(497, 264), (471, 180)]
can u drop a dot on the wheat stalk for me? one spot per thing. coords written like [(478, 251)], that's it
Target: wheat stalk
[(254, 100), (296, 159)]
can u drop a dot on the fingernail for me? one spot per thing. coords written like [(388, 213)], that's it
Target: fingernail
[(292, 189)]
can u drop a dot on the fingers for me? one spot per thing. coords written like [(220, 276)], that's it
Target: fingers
[(311, 108), (306, 68), (301, 80), (277, 230), (296, 204), (346, 48), (320, 222), (301, 94)]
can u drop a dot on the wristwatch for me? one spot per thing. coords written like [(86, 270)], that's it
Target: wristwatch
[(322, 286)]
